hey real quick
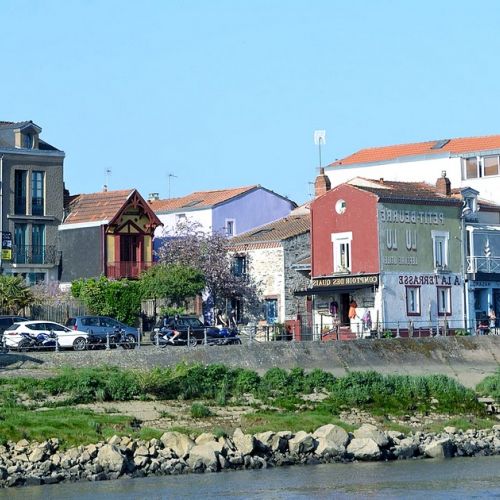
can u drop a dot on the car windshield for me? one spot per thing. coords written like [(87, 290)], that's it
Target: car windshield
[(193, 322)]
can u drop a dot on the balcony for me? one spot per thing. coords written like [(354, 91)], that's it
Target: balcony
[(34, 254), (483, 265), (126, 269)]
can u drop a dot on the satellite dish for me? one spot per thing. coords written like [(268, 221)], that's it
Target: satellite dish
[(319, 137)]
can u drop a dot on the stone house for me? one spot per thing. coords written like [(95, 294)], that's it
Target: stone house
[(31, 202)]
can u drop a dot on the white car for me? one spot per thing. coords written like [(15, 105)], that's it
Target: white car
[(42, 335)]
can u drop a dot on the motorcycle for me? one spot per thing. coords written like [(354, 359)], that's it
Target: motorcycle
[(117, 337), (223, 336), (165, 337), (39, 341)]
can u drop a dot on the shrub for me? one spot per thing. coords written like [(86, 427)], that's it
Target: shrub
[(490, 386), (199, 410)]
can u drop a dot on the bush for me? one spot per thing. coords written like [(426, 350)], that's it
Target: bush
[(490, 386), (199, 410)]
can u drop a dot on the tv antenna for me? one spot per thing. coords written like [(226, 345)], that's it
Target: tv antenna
[(319, 139), (169, 179), (107, 173)]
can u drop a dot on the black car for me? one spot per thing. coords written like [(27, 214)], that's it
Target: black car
[(182, 323), (6, 321)]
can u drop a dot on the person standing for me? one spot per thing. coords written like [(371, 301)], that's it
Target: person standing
[(492, 318)]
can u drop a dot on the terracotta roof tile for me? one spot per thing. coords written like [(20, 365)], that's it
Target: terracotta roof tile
[(95, 207), (279, 230), (452, 146), (198, 199)]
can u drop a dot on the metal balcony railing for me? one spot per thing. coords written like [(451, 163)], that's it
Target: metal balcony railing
[(126, 269), (483, 264), (34, 254)]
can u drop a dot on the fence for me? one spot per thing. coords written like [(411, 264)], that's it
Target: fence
[(54, 312)]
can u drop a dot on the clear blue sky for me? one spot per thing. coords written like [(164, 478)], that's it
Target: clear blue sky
[(226, 93)]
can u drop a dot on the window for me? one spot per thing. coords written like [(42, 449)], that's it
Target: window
[(471, 168), (180, 218), (37, 189), (240, 265), (38, 243), (20, 192), (413, 301), (342, 252), (490, 165), (444, 300), (440, 249), (229, 227), (271, 310), (484, 166), (20, 248), (27, 141)]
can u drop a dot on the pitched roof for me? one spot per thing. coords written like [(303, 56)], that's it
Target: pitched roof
[(437, 147), (96, 207), (199, 199), (393, 191), (276, 231)]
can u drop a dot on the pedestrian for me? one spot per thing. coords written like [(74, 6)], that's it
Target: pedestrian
[(492, 317), (232, 319)]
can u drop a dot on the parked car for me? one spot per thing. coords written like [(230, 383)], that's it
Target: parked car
[(98, 327), (6, 321), (182, 323), (26, 335)]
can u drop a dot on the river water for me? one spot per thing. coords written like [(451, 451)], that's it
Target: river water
[(434, 479)]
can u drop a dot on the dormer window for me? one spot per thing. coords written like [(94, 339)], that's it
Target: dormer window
[(27, 141)]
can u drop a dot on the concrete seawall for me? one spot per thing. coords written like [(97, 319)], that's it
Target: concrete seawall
[(468, 359)]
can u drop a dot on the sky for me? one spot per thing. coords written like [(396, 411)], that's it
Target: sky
[(228, 93)]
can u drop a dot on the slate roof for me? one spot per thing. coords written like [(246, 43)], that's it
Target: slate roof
[(451, 147), (393, 191), (96, 207), (279, 230), (199, 199)]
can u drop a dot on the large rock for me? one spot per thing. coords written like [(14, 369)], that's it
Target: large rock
[(440, 448), (245, 443), (331, 439), (406, 448), (179, 443), (203, 456), (364, 449), (37, 455), (110, 458), (302, 442), (369, 431), (264, 440), (204, 437)]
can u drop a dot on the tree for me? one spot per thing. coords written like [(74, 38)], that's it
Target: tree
[(174, 281), (188, 245), (15, 294), (118, 298)]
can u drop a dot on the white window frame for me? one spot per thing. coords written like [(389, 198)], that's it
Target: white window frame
[(444, 300), (480, 172), (230, 223), (180, 218), (413, 301), (342, 243), (440, 246)]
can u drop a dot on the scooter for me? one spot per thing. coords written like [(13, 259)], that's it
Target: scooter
[(223, 336)]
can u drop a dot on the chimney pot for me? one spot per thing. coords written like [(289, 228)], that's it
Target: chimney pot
[(322, 183)]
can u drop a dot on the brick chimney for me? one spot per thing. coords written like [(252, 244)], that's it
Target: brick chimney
[(443, 184), (322, 183)]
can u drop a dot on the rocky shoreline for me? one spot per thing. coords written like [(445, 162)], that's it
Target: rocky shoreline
[(25, 463)]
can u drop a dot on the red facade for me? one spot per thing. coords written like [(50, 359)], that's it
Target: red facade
[(358, 215)]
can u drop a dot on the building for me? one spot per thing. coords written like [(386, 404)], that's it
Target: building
[(468, 162), (386, 255), (232, 211), (31, 202), (272, 255), (107, 234)]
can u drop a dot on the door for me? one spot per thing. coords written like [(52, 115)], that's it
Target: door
[(344, 309)]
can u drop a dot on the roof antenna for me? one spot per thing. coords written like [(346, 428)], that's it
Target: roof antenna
[(319, 139), (107, 173), (169, 179)]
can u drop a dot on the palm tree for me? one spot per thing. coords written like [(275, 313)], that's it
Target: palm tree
[(14, 294)]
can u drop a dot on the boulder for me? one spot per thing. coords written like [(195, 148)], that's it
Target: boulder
[(364, 449), (37, 455), (302, 442), (179, 443), (331, 439), (203, 456), (406, 448), (142, 451), (264, 440), (245, 443), (369, 431), (450, 430), (440, 448), (110, 458), (204, 437)]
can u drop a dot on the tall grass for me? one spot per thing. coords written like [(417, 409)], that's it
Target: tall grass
[(490, 386)]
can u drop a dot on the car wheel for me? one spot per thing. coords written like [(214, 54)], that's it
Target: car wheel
[(23, 345), (129, 342), (79, 344), (193, 341)]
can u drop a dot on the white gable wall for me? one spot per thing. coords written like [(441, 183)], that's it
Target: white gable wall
[(203, 217)]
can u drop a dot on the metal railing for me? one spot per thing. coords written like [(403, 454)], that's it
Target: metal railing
[(126, 269), (34, 254), (483, 264)]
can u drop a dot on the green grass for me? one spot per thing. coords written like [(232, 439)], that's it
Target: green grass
[(199, 410), (490, 386)]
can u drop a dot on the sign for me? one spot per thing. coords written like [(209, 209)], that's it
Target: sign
[(6, 245), (369, 279)]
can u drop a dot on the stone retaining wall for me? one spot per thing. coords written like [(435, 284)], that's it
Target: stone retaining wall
[(468, 359)]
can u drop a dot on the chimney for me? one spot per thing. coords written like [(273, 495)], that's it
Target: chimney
[(443, 184), (153, 196), (105, 188), (322, 183)]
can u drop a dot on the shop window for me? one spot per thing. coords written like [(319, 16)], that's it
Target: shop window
[(342, 252), (444, 300), (413, 301), (440, 248)]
